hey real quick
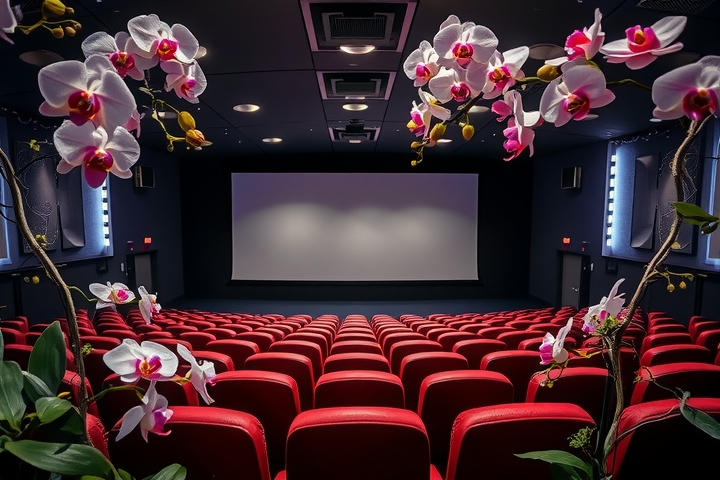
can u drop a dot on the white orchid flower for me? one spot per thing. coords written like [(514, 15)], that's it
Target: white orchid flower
[(692, 90), (147, 305), (151, 416), (459, 44), (450, 84), (501, 71), (148, 360), (111, 294), (8, 22), (155, 41), (609, 306), (115, 49), (585, 44), (642, 46), (421, 65), (188, 81), (200, 374), (552, 348)]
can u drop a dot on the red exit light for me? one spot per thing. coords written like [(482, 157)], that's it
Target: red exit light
[(566, 240), (148, 240)]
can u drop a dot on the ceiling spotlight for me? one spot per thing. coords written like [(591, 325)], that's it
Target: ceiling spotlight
[(41, 58), (546, 51), (272, 140), (445, 140), (479, 109), (166, 115), (357, 49), (246, 107), (354, 141), (656, 120), (355, 107), (202, 51)]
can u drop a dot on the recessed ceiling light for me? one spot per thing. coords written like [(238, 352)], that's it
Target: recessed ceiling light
[(357, 49), (272, 140), (41, 58), (479, 109), (354, 97), (167, 115), (246, 107), (354, 141), (445, 140), (202, 51), (355, 107), (656, 120), (546, 51)]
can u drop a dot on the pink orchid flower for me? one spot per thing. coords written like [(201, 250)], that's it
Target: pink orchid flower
[(450, 84), (109, 295), (152, 416), (147, 305), (148, 360), (155, 41), (200, 374), (642, 46), (608, 306), (518, 134), (86, 92), (133, 123), (459, 44), (419, 123), (552, 349), (585, 44), (421, 65), (188, 81), (692, 90), (8, 22), (97, 153), (572, 95), (501, 72), (115, 49), (517, 138)]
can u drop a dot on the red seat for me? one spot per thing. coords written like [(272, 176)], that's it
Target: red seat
[(435, 333), (699, 326), (449, 339), (355, 346), (262, 339), (71, 385), (658, 339), (346, 336), (121, 334), (155, 335), (667, 328), (358, 443), (513, 339), (325, 330), (299, 367), (362, 388), (238, 350), (517, 365), (356, 361), (644, 451), (12, 337), (474, 327), (220, 333), (676, 353), (176, 330), (493, 332), (18, 353), (387, 342), (417, 366), (313, 337), (99, 341), (210, 442), (709, 339), (271, 397), (700, 379), (309, 349), (198, 340), (444, 395), (402, 349), (485, 440), (475, 350)]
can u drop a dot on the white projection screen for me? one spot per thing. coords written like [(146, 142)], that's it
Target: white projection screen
[(354, 226)]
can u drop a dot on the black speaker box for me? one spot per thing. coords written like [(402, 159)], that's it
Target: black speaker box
[(570, 177), (144, 177)]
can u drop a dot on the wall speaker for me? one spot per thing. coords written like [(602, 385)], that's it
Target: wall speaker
[(570, 177), (144, 177)]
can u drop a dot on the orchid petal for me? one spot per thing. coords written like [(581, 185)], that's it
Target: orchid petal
[(144, 31), (59, 80), (187, 43), (99, 43), (440, 84), (483, 41), (122, 359), (445, 39), (71, 142), (118, 102), (130, 420), (143, 60), (124, 149)]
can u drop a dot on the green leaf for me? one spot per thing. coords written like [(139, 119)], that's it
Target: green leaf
[(51, 408), (47, 359), (693, 213), (700, 419), (12, 405), (34, 387), (563, 472), (3, 440), (125, 475), (63, 458), (559, 457), (171, 472)]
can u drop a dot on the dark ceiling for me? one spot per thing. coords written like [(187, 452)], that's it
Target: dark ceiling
[(259, 52)]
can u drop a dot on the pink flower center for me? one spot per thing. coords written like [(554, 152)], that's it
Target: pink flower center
[(102, 161), (83, 107), (700, 103), (422, 71), (546, 350), (500, 75), (166, 49), (187, 87), (641, 39), (460, 92), (575, 43), (147, 367), (577, 104), (463, 53), (123, 62)]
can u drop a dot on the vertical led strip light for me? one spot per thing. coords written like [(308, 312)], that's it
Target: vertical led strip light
[(611, 201), (105, 214)]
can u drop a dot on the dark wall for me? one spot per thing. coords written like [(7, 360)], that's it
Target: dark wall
[(503, 237), (136, 214)]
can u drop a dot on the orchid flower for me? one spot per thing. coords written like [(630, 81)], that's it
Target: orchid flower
[(585, 44), (151, 416), (8, 22), (154, 40), (109, 295), (200, 374), (572, 95), (459, 44), (518, 134), (188, 81), (449, 84), (148, 360), (87, 92), (552, 349), (517, 138), (419, 123), (421, 65), (433, 106), (502, 70), (115, 49), (690, 90), (133, 123), (642, 46), (147, 305), (97, 153), (608, 306), (511, 104)]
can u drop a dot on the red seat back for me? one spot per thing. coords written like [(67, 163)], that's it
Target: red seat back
[(365, 388), (416, 367), (299, 367), (516, 365), (700, 379), (356, 361), (475, 350), (238, 350)]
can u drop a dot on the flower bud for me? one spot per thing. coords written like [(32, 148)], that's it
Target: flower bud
[(35, 279), (53, 8), (670, 287), (186, 121), (70, 32), (69, 11), (195, 138), (468, 131), (413, 163), (548, 73), (415, 145), (57, 32), (682, 285), (438, 131)]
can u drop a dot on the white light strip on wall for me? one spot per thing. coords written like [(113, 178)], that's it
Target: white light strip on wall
[(611, 202), (105, 214)]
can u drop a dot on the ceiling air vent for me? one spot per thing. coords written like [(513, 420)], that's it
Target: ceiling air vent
[(355, 85), (683, 7), (354, 131), (382, 24)]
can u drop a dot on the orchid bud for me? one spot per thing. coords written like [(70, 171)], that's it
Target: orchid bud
[(682, 285), (70, 32), (57, 32), (195, 138), (468, 131), (415, 145), (413, 163), (35, 279), (186, 121), (548, 73), (438, 132), (53, 8), (670, 287)]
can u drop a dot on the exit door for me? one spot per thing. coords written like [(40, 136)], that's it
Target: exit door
[(574, 280)]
